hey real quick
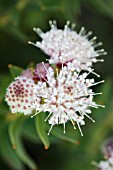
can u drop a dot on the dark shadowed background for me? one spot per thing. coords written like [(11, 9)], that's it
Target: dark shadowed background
[(17, 19)]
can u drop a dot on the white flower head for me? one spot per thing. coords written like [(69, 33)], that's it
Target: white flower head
[(20, 95), (67, 97), (105, 164), (67, 45)]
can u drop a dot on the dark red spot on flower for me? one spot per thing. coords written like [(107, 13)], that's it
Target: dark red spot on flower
[(27, 85), (24, 107), (24, 80), (26, 101)]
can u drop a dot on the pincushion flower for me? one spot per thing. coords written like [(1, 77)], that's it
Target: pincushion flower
[(20, 95), (67, 45), (66, 96)]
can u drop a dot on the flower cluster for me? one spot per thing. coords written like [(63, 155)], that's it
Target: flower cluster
[(60, 87)]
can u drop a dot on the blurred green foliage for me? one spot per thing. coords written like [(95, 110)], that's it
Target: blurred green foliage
[(21, 137)]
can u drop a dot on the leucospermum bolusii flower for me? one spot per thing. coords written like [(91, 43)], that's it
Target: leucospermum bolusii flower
[(59, 87), (66, 96), (20, 95), (67, 45)]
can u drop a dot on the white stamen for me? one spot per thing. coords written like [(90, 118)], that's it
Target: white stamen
[(64, 127), (97, 83), (79, 128), (89, 117), (35, 114), (73, 26), (96, 74), (81, 31), (97, 45), (93, 39), (47, 117), (50, 130)]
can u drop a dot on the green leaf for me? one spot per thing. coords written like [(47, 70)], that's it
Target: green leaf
[(71, 9), (30, 134), (15, 70), (11, 130), (64, 137), (4, 82), (40, 127), (16, 33), (24, 157), (8, 153), (103, 7), (14, 129), (70, 136), (15, 137)]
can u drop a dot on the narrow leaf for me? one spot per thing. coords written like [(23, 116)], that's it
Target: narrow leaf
[(24, 157), (8, 153), (40, 127), (15, 130), (30, 134), (64, 137)]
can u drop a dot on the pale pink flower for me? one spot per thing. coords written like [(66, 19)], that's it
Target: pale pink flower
[(67, 45), (20, 95), (66, 96)]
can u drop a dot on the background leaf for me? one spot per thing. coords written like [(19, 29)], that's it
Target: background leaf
[(40, 127), (15, 70)]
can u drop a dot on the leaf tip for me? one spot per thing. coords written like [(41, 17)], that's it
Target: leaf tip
[(46, 147), (77, 142), (9, 66)]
